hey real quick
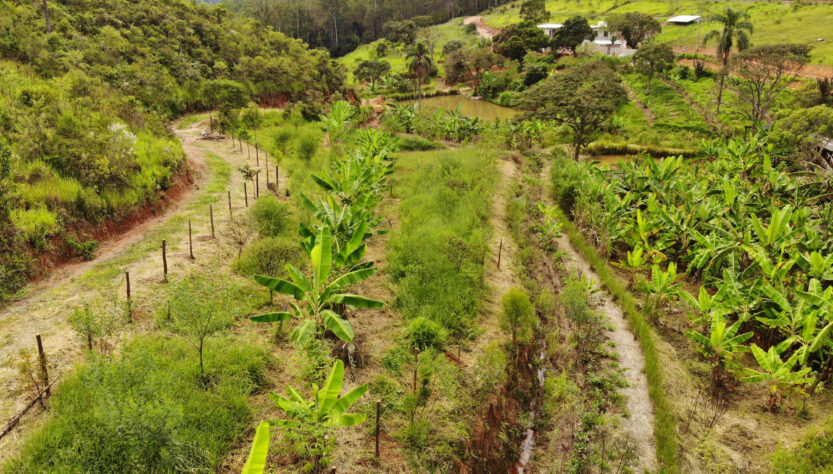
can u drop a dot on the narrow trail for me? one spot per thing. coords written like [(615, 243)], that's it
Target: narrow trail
[(47, 304), (640, 422)]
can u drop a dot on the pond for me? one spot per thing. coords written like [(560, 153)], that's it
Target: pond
[(470, 107)]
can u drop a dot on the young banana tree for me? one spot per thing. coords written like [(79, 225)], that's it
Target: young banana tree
[(777, 373), (313, 419), (721, 345), (256, 462), (316, 295), (660, 288)]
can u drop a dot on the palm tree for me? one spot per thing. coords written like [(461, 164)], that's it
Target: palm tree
[(419, 63), (735, 28)]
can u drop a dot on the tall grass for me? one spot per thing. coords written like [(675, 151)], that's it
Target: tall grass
[(436, 256), (147, 410)]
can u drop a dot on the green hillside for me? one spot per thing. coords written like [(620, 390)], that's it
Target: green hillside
[(774, 22), (84, 108)]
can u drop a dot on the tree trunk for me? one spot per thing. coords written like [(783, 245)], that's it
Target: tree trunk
[(46, 15), (720, 92), (202, 367)]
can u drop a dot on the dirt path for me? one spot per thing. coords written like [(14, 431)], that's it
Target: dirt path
[(640, 422), (484, 30), (47, 304)]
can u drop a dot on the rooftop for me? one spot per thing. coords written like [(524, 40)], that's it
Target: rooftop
[(684, 19)]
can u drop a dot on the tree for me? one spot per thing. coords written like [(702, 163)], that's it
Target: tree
[(419, 63), (574, 31), (634, 27), (515, 41), (452, 45), (766, 71), (251, 118), (223, 94), (534, 11), (518, 316), (457, 66), (401, 31), (653, 59), (736, 31), (199, 307), (371, 71), (582, 97), (797, 132)]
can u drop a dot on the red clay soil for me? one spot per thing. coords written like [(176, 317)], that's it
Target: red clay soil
[(109, 230), (810, 71)]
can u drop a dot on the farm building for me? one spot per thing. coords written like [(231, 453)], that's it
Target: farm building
[(684, 20), (604, 40)]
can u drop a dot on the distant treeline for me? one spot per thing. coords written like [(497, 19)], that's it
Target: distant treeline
[(342, 25)]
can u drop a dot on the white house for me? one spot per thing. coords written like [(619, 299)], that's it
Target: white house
[(603, 41)]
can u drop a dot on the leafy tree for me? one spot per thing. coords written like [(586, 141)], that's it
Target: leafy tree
[(582, 97), (224, 94), (534, 11), (419, 63), (315, 296), (401, 31), (516, 40), (199, 307), (653, 59), (457, 67), (310, 422), (518, 316), (796, 133), (251, 118), (634, 27), (452, 45), (371, 70), (765, 73), (736, 31), (572, 33)]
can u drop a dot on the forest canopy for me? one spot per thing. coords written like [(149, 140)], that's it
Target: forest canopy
[(86, 90)]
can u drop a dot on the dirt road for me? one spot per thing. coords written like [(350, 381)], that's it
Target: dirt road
[(484, 30)]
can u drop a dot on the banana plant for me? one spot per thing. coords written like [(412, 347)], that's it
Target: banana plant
[(315, 418), (316, 295), (660, 288), (818, 266), (343, 220), (336, 121), (721, 345), (636, 260), (256, 462), (346, 256), (326, 407), (777, 373)]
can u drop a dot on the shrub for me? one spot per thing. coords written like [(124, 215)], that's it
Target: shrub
[(518, 316), (307, 144), (272, 217), (417, 143), (36, 225), (425, 334), (267, 256)]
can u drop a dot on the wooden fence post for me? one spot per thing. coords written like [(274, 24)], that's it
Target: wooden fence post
[(190, 241), (164, 260), (416, 366), (42, 358), (211, 214), (245, 193), (127, 282), (378, 428), (257, 186), (499, 252), (129, 300), (266, 168), (277, 178)]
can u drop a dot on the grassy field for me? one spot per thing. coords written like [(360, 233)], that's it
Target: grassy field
[(438, 34), (774, 22)]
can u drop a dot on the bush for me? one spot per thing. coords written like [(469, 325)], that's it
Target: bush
[(425, 334), (36, 225), (272, 217), (307, 144), (150, 413), (268, 256)]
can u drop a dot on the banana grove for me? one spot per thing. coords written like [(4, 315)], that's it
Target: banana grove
[(754, 235)]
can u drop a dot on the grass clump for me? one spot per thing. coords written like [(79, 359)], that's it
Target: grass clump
[(148, 410)]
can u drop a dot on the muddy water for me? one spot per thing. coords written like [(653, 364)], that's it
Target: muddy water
[(469, 107)]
